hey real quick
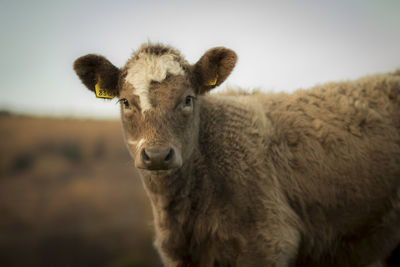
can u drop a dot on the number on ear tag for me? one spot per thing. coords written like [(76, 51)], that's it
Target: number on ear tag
[(212, 82), (102, 93)]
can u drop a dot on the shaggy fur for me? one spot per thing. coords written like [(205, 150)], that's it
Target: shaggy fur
[(147, 68), (306, 179)]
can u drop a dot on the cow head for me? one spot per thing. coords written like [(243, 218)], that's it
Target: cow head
[(158, 93)]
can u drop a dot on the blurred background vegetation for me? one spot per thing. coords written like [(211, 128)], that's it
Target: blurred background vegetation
[(70, 196)]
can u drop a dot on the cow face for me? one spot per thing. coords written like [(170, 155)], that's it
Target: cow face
[(159, 96)]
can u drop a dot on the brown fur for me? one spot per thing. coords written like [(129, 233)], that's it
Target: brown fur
[(90, 67), (307, 179)]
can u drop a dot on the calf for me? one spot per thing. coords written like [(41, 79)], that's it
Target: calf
[(238, 179)]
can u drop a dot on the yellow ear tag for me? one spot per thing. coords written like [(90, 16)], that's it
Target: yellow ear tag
[(212, 82), (102, 93)]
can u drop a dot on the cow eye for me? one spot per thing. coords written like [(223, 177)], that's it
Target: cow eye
[(125, 102), (188, 101)]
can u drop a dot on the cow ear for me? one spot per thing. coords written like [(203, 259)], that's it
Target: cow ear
[(213, 68), (98, 74)]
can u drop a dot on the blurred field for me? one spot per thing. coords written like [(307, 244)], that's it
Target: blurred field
[(70, 196)]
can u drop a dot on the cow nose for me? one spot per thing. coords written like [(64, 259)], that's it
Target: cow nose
[(157, 158)]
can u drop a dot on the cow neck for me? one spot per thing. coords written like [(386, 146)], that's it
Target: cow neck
[(172, 192)]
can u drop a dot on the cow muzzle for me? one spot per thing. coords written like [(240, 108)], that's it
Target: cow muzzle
[(158, 158)]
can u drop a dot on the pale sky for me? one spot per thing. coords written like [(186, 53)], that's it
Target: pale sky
[(282, 45)]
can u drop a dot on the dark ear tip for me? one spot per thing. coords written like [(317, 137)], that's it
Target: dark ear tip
[(232, 54), (223, 50), (226, 55), (82, 63)]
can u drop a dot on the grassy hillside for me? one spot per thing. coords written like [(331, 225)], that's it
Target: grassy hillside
[(70, 196)]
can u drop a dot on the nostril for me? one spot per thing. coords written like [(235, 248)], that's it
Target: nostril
[(145, 157), (157, 158), (169, 156)]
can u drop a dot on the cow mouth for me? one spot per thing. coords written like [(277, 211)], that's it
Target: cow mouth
[(157, 173), (160, 172)]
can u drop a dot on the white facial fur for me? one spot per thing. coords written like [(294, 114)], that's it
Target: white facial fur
[(137, 143), (147, 68)]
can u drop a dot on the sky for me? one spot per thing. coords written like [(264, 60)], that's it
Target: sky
[(282, 45)]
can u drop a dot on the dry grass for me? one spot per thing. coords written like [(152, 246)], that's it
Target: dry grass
[(69, 196)]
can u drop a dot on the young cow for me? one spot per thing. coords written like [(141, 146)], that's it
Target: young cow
[(235, 179)]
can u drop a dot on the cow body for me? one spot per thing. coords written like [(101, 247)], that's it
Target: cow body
[(306, 179), (313, 182)]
